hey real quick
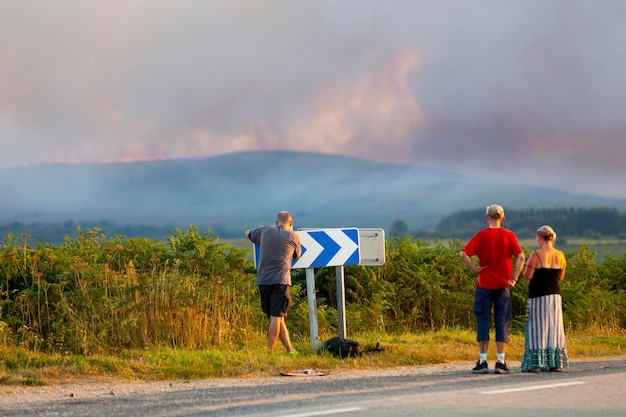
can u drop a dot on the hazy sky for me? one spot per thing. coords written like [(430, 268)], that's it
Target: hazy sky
[(527, 91)]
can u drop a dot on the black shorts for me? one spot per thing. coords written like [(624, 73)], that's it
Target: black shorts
[(275, 299)]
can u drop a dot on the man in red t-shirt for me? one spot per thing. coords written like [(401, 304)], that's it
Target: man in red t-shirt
[(495, 247)]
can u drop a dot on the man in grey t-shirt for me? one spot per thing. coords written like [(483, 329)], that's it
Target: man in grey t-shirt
[(279, 245)]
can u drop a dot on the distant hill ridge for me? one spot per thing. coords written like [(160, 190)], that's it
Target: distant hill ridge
[(234, 191)]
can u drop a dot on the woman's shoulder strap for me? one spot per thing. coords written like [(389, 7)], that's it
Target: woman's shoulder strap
[(538, 258)]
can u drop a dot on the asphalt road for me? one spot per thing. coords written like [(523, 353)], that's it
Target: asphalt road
[(594, 388)]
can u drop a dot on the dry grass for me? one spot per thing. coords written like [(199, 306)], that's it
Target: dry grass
[(253, 360)]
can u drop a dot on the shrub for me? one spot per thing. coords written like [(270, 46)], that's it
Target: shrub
[(93, 293)]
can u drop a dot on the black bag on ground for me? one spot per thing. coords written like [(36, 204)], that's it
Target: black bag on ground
[(343, 348)]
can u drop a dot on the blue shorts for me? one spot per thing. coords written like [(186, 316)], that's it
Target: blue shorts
[(275, 299), (500, 300)]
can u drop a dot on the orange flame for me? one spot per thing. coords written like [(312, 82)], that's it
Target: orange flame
[(364, 116)]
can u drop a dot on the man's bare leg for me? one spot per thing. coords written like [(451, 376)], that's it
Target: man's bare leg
[(272, 334), (284, 335), (278, 330)]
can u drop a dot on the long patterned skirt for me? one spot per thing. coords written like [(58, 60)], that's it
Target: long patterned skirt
[(544, 346)]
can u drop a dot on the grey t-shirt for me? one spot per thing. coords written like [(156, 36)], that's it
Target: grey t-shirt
[(278, 246)]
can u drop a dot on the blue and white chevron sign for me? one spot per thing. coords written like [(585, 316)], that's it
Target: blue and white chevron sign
[(325, 247), (328, 247)]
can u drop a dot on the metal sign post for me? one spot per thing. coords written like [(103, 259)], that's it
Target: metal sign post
[(341, 302), (312, 300)]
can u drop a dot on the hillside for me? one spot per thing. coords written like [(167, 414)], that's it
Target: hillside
[(232, 192)]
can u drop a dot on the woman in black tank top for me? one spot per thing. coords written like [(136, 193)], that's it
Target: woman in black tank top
[(544, 347), (544, 281)]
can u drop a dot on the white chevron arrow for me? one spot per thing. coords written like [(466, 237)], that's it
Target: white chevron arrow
[(313, 250), (348, 246)]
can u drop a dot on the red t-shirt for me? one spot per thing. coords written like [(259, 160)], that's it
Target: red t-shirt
[(495, 248)]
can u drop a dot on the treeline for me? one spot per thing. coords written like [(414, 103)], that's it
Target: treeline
[(56, 232), (568, 222), (571, 222), (94, 293)]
